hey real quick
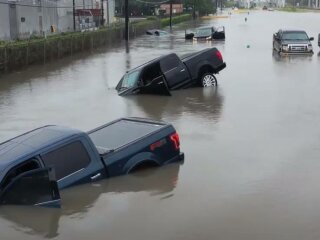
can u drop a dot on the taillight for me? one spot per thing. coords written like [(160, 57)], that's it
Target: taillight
[(219, 55), (175, 140)]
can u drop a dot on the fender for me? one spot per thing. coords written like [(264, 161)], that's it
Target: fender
[(140, 158), (203, 64)]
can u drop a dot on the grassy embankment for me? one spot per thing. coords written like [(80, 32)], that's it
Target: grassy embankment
[(297, 9), (19, 53)]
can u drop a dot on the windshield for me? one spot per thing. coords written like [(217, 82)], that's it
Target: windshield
[(203, 32), (130, 79), (299, 36)]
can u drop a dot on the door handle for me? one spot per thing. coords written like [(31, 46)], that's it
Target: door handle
[(182, 70), (95, 176)]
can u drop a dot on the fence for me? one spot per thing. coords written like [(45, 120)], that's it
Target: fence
[(39, 51)]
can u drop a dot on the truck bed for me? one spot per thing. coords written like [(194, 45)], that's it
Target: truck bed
[(122, 132)]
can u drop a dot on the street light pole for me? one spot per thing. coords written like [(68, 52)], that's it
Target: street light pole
[(171, 14), (126, 12), (74, 15), (194, 10)]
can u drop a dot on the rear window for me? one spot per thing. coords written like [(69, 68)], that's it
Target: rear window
[(67, 159)]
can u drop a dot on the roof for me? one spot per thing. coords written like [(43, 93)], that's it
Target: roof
[(149, 62), (292, 30), (15, 150)]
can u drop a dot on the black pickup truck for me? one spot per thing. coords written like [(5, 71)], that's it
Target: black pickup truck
[(169, 72), (36, 165), (287, 42)]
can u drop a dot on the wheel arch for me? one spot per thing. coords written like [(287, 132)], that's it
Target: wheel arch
[(207, 68), (144, 158)]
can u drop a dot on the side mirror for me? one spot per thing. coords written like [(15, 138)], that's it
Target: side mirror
[(311, 39)]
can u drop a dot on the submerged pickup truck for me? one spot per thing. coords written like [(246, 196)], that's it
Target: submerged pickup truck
[(36, 165), (169, 72)]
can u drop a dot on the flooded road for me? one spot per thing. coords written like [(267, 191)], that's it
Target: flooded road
[(252, 148)]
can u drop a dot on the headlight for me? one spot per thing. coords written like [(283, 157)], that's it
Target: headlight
[(195, 39), (310, 47), (208, 38), (285, 47)]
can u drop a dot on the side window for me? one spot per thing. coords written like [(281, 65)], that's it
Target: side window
[(170, 62), (150, 73), (26, 166), (67, 159)]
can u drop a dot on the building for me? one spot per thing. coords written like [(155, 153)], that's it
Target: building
[(26, 18), (176, 8)]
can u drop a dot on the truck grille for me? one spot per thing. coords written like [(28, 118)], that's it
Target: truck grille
[(298, 48)]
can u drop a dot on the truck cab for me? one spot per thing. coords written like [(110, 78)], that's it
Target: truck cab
[(59, 156)]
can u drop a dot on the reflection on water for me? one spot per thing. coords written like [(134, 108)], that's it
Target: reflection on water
[(291, 58), (78, 201), (204, 103)]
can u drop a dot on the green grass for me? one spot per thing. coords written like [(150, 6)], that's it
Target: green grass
[(177, 19), (149, 22), (292, 9)]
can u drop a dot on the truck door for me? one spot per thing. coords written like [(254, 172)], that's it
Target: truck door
[(174, 70), (35, 187)]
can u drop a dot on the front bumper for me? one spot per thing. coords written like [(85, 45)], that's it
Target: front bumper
[(290, 53)]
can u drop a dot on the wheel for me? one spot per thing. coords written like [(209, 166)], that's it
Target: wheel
[(208, 80)]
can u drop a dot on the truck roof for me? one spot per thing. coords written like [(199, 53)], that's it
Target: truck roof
[(151, 61), (17, 149), (292, 30)]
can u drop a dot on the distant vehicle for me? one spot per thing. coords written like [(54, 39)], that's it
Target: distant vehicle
[(292, 42), (36, 165), (207, 33), (270, 9), (156, 32), (169, 72), (264, 8)]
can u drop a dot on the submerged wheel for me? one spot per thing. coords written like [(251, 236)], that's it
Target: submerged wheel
[(208, 80)]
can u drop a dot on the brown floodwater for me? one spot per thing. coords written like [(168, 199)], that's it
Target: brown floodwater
[(252, 152)]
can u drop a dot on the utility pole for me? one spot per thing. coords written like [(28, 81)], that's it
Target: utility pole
[(102, 13), (171, 14), (194, 10), (126, 13), (216, 6), (74, 15), (108, 13)]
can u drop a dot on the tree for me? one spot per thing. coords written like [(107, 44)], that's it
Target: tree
[(204, 7)]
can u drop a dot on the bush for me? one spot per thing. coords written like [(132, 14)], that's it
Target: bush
[(176, 19)]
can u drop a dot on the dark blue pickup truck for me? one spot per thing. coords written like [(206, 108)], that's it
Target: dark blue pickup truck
[(36, 165)]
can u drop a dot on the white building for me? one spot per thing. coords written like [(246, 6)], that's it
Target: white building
[(25, 18)]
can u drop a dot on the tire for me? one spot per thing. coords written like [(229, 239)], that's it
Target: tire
[(208, 80)]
